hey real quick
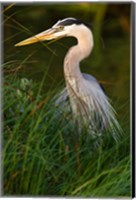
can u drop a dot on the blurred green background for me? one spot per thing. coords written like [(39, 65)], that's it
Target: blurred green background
[(110, 59)]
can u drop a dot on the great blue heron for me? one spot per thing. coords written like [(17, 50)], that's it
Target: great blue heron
[(90, 106)]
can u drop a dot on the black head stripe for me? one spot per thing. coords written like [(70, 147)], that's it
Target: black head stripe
[(70, 21)]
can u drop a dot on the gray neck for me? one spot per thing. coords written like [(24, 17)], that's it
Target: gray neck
[(72, 60)]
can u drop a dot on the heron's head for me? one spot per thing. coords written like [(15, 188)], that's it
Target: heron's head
[(63, 28)]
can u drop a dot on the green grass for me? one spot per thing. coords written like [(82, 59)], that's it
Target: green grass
[(40, 152)]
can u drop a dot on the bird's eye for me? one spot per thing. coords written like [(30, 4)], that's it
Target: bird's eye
[(61, 28)]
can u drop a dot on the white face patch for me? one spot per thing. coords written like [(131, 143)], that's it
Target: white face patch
[(70, 27)]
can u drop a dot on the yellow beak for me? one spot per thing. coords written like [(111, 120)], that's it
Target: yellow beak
[(45, 35)]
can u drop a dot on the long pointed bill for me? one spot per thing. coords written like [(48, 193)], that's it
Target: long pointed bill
[(45, 35)]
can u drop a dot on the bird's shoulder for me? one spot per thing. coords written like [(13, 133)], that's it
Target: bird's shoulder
[(93, 81), (90, 78)]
